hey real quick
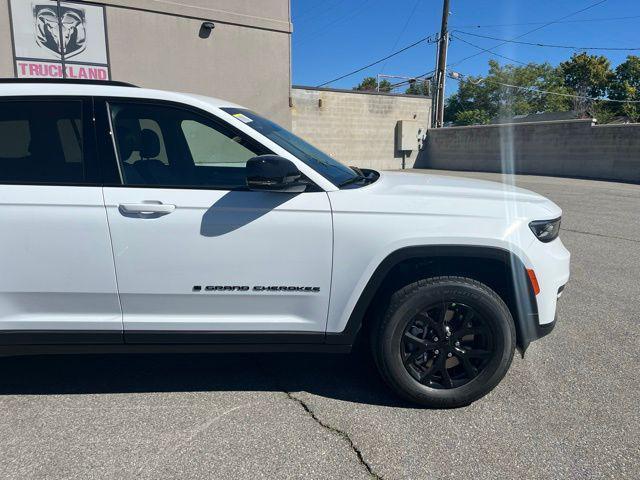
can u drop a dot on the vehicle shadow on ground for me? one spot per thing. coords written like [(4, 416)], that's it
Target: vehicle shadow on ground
[(345, 377)]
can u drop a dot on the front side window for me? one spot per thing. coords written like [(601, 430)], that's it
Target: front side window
[(41, 142), (209, 147), (331, 169), (168, 146)]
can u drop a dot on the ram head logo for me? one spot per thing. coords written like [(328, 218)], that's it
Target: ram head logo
[(60, 29)]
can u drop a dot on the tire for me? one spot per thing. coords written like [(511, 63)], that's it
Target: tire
[(414, 343)]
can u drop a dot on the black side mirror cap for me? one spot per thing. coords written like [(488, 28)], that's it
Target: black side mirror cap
[(272, 173)]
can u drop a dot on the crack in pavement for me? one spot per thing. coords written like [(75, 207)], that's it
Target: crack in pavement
[(344, 435), (600, 235)]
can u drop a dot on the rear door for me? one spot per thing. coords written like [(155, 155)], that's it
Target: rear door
[(196, 253), (57, 281)]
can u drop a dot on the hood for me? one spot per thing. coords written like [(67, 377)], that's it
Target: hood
[(403, 192), (418, 184)]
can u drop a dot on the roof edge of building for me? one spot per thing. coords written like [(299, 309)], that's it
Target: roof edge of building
[(358, 92), (202, 13)]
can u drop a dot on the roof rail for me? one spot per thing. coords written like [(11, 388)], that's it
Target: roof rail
[(72, 81)]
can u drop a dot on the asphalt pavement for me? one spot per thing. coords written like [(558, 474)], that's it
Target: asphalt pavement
[(569, 409)]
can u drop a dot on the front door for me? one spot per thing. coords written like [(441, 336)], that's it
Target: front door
[(194, 250), (57, 279)]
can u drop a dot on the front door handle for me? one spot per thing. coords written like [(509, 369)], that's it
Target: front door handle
[(146, 208)]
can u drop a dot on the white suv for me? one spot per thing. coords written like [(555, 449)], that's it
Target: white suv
[(142, 220)]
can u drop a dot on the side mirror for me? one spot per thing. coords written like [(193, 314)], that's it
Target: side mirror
[(271, 173)]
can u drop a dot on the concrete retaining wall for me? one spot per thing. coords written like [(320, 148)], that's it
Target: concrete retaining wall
[(357, 128), (575, 148)]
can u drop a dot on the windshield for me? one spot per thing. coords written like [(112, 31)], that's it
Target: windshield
[(322, 163)]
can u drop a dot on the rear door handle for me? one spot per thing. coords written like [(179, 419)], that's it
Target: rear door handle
[(146, 208)]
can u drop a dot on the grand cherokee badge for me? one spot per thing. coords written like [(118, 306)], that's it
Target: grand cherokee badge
[(257, 288)]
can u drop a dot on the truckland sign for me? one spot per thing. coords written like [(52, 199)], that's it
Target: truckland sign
[(59, 40)]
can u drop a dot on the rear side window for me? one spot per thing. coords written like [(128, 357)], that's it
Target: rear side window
[(42, 142)]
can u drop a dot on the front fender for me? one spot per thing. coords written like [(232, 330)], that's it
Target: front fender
[(526, 310)]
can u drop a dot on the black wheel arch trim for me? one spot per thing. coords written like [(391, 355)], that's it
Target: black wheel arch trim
[(526, 317)]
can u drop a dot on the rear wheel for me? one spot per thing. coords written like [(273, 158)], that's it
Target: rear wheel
[(444, 342)]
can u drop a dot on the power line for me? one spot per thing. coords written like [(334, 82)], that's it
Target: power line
[(415, 78), (569, 95), (406, 82), (547, 92), (404, 28), (535, 44), (484, 50), (348, 16), (313, 11), (428, 39), (490, 53), (606, 19)]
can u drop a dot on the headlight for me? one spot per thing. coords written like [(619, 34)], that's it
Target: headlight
[(545, 230)]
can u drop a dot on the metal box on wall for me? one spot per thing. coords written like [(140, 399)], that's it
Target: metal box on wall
[(407, 135)]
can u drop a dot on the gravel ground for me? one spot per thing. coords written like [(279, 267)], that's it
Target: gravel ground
[(569, 409)]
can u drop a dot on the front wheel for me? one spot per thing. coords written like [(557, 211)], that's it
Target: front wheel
[(444, 342)]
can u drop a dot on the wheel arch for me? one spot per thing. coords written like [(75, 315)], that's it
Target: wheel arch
[(500, 268)]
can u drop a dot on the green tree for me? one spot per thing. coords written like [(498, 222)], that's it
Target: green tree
[(472, 117), (626, 86), (370, 84), (517, 89), (472, 94), (603, 112), (587, 76), (551, 80), (419, 87), (498, 94), (632, 110)]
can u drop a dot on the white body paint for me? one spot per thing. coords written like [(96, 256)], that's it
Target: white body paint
[(73, 258)]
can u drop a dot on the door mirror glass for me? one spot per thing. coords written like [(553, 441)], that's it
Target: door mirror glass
[(272, 173)]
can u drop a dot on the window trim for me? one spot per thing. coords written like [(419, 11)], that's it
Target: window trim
[(116, 154), (89, 152), (108, 150)]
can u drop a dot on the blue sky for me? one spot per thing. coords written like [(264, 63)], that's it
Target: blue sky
[(334, 37)]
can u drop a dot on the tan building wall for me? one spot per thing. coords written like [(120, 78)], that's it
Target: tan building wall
[(156, 44), (268, 14), (358, 129), (6, 51)]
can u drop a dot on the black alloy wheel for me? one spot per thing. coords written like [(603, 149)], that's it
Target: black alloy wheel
[(444, 341), (446, 345)]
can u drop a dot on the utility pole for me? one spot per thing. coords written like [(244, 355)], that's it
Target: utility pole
[(441, 72)]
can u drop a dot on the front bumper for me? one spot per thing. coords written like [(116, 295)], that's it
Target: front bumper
[(550, 261), (546, 329)]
